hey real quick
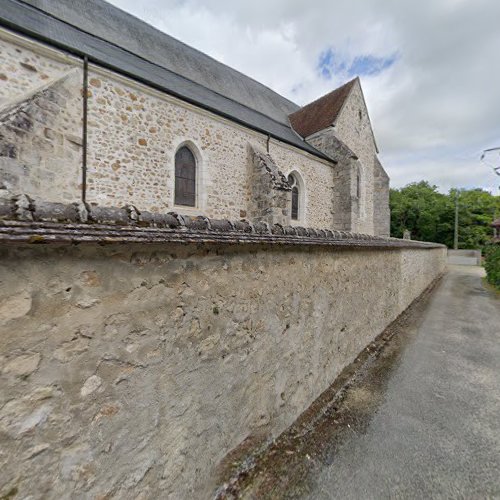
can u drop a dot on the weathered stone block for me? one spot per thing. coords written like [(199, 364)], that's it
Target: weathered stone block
[(23, 365), (271, 199)]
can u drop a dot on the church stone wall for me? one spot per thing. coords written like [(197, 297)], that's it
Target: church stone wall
[(133, 136), (356, 133), (40, 122), (271, 194), (344, 190), (381, 210), (27, 66), (318, 183), (130, 371), (134, 132)]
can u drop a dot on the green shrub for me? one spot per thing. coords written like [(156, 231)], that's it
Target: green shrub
[(492, 265)]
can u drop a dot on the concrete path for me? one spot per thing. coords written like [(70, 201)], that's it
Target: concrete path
[(436, 431)]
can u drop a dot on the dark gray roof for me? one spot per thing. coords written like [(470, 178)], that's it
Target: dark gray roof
[(114, 39), (124, 30)]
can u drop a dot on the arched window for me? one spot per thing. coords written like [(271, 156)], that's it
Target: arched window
[(292, 180), (185, 177)]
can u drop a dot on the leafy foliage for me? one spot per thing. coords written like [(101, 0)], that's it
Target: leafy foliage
[(492, 264), (430, 215)]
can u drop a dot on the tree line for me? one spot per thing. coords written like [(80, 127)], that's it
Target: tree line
[(430, 215)]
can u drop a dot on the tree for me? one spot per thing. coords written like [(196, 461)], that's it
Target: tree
[(477, 210), (429, 215)]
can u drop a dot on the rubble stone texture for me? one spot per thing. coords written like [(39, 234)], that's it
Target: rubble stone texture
[(130, 370), (133, 369), (133, 134), (271, 198), (381, 212), (345, 201), (121, 170), (40, 124), (353, 128), (361, 187), (318, 179)]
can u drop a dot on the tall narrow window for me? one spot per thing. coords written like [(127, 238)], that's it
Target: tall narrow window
[(358, 185), (185, 178), (295, 196)]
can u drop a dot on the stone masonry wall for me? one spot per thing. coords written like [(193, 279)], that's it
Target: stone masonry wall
[(344, 192), (355, 131), (317, 178), (133, 137), (130, 371), (271, 198), (27, 66), (133, 134), (40, 123), (381, 210)]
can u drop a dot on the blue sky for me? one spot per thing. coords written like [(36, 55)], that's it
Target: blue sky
[(331, 64), (429, 69)]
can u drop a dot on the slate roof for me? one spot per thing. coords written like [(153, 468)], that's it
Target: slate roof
[(110, 23), (118, 41), (322, 113)]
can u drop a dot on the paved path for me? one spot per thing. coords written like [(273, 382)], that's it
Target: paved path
[(436, 431)]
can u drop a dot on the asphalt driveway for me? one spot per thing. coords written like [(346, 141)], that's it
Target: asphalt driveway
[(419, 419), (436, 432)]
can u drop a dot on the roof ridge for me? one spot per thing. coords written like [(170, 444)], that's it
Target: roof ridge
[(156, 64), (19, 15), (105, 4)]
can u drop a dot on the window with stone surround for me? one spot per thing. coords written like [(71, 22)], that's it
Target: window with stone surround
[(185, 177), (292, 180)]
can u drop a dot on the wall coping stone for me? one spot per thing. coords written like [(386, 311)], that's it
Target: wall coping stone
[(24, 220)]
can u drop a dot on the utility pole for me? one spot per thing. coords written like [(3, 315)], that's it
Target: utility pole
[(455, 239)]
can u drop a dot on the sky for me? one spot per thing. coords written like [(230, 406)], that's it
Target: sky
[(430, 70)]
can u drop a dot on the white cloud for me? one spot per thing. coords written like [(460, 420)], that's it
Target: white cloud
[(433, 110)]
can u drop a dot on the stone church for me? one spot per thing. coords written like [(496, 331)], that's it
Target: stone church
[(99, 108), (188, 259)]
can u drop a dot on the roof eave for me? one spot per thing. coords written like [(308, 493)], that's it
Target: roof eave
[(40, 26)]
